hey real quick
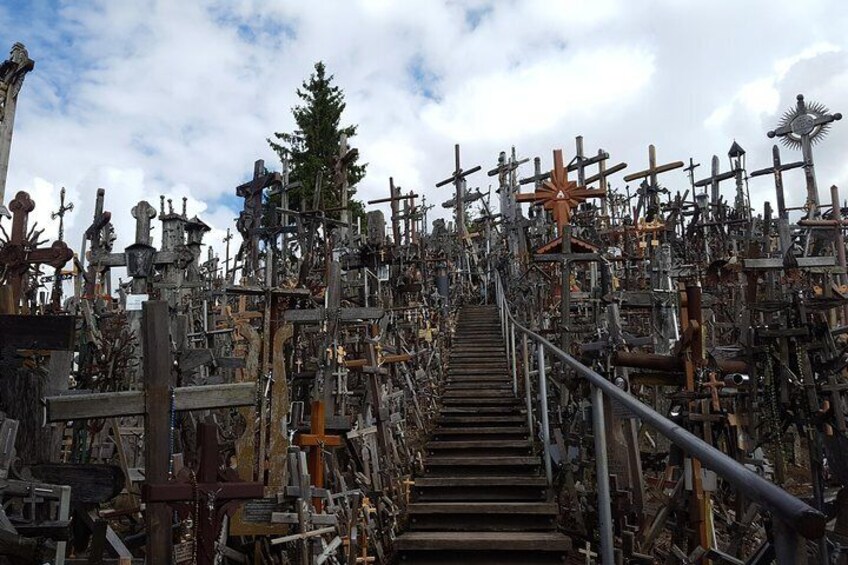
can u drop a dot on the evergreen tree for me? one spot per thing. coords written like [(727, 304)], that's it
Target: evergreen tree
[(314, 145)]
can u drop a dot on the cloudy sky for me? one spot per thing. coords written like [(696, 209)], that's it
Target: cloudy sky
[(155, 97)]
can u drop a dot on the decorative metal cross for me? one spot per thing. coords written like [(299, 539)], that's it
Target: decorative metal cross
[(19, 254), (56, 294), (801, 127)]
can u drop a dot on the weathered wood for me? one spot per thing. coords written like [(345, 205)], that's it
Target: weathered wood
[(55, 333), (132, 403), (156, 345)]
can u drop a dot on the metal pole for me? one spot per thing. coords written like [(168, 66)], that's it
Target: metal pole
[(602, 471), (514, 362), (528, 391), (543, 406)]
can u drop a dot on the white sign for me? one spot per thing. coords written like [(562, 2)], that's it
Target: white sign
[(134, 301)]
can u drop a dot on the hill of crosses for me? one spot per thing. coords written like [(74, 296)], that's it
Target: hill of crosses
[(580, 365)]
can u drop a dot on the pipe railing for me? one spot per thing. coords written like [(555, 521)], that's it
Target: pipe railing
[(789, 513)]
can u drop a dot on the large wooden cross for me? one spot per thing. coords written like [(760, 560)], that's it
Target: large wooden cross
[(18, 255), (394, 198), (458, 180), (560, 195), (317, 440)]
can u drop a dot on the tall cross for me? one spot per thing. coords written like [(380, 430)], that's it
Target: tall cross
[(803, 126), (690, 170), (651, 175), (777, 169), (346, 156), (714, 180), (18, 255), (226, 241), (56, 294), (12, 73), (458, 180)]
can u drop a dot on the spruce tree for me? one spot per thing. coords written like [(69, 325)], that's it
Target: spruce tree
[(314, 144)]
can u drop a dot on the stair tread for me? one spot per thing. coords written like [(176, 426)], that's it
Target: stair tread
[(483, 508), (481, 460), (471, 541), (493, 480), (468, 444)]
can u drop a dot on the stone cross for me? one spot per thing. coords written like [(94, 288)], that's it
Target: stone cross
[(12, 73), (17, 256)]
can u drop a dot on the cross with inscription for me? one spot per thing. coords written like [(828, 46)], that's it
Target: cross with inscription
[(19, 254)]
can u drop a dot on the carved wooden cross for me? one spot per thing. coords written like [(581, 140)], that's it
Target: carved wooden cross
[(18, 254), (560, 195)]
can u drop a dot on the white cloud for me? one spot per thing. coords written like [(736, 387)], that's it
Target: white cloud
[(177, 98)]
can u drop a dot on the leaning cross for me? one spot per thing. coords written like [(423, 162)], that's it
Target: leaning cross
[(714, 180), (17, 255)]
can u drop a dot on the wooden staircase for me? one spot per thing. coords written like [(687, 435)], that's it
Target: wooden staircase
[(483, 497)]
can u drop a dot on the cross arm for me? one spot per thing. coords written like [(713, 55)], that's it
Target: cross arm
[(656, 170), (458, 175), (131, 403)]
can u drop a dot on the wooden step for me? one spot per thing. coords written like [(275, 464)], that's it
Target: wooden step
[(481, 488), (447, 465), (484, 420), (482, 516), (509, 409), (478, 541), (474, 385), (478, 393), (512, 401)]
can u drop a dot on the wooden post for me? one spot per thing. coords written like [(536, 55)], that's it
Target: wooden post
[(157, 382)]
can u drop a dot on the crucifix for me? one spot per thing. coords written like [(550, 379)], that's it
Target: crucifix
[(801, 127), (12, 73), (56, 294), (18, 254), (250, 218)]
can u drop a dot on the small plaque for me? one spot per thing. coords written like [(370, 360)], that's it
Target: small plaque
[(134, 301), (184, 552)]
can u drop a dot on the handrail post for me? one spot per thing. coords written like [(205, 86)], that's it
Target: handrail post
[(528, 390), (602, 471), (514, 362), (543, 406)]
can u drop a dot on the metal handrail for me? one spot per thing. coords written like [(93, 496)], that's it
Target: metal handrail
[(791, 511)]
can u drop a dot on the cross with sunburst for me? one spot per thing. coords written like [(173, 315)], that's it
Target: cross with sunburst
[(560, 195)]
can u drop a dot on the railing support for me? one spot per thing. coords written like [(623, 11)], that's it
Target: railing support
[(514, 361), (602, 471), (543, 407), (528, 390)]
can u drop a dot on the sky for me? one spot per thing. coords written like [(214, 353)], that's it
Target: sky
[(156, 97)]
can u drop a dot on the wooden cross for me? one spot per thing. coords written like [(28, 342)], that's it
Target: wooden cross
[(777, 169), (18, 255), (12, 73), (588, 553), (212, 492), (560, 195), (317, 440), (714, 180), (458, 180), (395, 197), (648, 198)]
